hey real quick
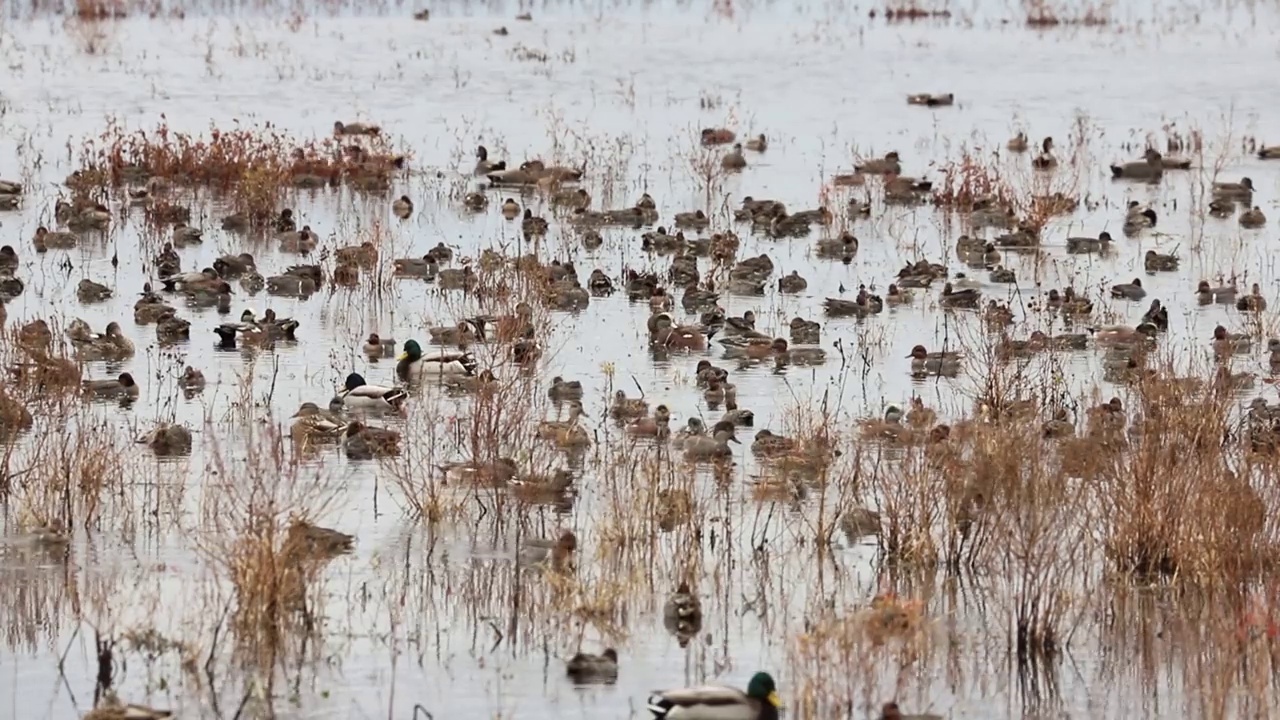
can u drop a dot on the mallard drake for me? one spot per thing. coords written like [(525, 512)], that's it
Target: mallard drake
[(412, 365), (484, 165), (89, 291), (887, 165), (1160, 262), (122, 386), (167, 439), (1242, 191), (657, 426), (1129, 291), (931, 100), (1253, 302), (1253, 218), (711, 702), (924, 362), (587, 668), (341, 128), (1150, 169), (357, 394), (696, 220), (46, 240), (717, 136), (1045, 160), (402, 207), (1081, 245), (734, 160), (759, 143)]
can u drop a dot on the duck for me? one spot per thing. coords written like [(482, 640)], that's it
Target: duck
[(230, 266), (121, 386), (402, 207), (562, 390), (696, 220), (1253, 218), (624, 408), (298, 241), (110, 345), (862, 306), (717, 136), (705, 372), (890, 711), (485, 474), (1137, 218), (931, 100), (463, 278), (841, 247), (1002, 274), (574, 199), (658, 425), (1157, 315), (966, 298), (805, 331), (9, 187), (484, 165), (1221, 207), (711, 702), (1242, 191), (555, 555), (734, 160), (366, 443), (171, 329), (887, 165), (111, 708), (291, 285), (1253, 302), (712, 445), (599, 283), (586, 668), (412, 365), (358, 394), (759, 143), (1045, 160), (475, 201), (767, 444), (1129, 291), (1125, 335), (167, 439), (1222, 295), (424, 267), (184, 235), (341, 128), (792, 283), (1160, 262), (46, 240), (682, 612), (8, 259), (192, 381), (923, 362), (1018, 143), (717, 392), (533, 225), (694, 427), (89, 291), (1225, 342), (1151, 168), (1083, 245)]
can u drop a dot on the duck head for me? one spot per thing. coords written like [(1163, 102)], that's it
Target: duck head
[(354, 380), (411, 351)]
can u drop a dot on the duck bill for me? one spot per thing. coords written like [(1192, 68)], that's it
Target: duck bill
[(402, 356), (774, 700), (734, 439)]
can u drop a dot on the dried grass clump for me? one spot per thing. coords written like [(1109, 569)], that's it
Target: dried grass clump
[(254, 166), (1046, 14)]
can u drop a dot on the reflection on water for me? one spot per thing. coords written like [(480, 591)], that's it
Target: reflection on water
[(448, 614)]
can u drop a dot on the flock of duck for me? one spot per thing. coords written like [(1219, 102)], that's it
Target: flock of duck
[(345, 418)]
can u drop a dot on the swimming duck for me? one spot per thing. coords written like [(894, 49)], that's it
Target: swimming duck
[(484, 165), (111, 708), (1081, 245), (951, 297), (291, 285), (10, 202), (485, 474), (110, 345), (693, 428), (1129, 291), (766, 444), (575, 199), (1253, 218), (412, 365), (656, 426), (1157, 315), (890, 711), (895, 295), (759, 143), (300, 241), (357, 394), (9, 187), (171, 329), (682, 612), (1253, 302), (1241, 191), (1018, 143), (599, 283), (710, 702), (706, 372), (89, 291), (533, 225), (931, 100), (1160, 262), (475, 201), (167, 439), (805, 331), (714, 445), (45, 240), (624, 408), (121, 386), (1221, 207), (363, 255), (696, 220), (1124, 335), (792, 283), (717, 392), (586, 668), (924, 362), (402, 207), (1222, 295), (466, 332), (717, 136), (566, 433), (365, 443), (1002, 274), (1225, 342), (424, 267), (463, 278), (734, 160), (192, 381), (838, 248), (887, 165), (1045, 160), (556, 555), (1151, 168), (341, 128)]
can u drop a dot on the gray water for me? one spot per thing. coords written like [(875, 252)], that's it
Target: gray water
[(633, 83)]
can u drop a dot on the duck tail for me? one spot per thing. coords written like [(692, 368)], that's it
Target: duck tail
[(500, 165), (1117, 171), (659, 706), (396, 397)]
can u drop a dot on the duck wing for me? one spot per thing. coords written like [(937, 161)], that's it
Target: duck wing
[(713, 695)]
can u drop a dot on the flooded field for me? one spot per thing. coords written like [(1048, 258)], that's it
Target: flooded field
[(979, 534)]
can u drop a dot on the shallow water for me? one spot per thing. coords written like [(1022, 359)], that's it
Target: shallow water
[(631, 83)]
